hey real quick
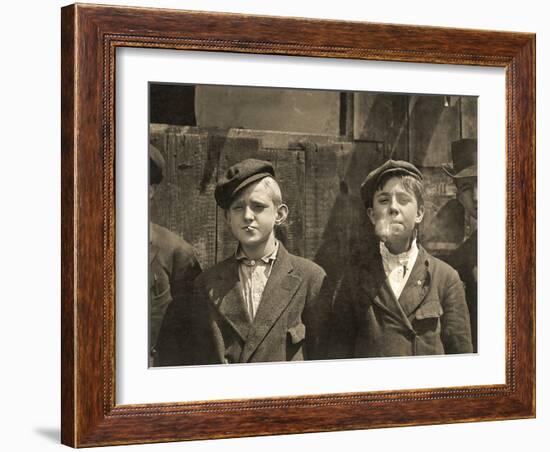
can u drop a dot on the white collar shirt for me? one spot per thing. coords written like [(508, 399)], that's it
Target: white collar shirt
[(253, 275), (398, 266)]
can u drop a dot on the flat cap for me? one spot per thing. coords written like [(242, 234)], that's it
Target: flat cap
[(239, 176), (395, 167), (156, 165)]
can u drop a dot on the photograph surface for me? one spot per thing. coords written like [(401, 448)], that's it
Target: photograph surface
[(293, 224)]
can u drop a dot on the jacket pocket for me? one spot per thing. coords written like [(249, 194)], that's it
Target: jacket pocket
[(297, 333), (430, 309), (160, 302), (426, 322)]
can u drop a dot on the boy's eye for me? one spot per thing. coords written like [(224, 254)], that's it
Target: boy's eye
[(404, 199)]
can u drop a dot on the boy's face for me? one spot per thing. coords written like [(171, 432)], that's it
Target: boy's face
[(395, 212), (467, 194), (253, 215)]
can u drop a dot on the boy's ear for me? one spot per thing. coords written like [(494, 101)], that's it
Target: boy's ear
[(226, 215), (370, 214), (282, 214), (419, 215)]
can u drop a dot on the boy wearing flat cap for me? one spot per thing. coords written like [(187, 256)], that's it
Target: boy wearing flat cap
[(398, 300), (172, 269), (260, 304)]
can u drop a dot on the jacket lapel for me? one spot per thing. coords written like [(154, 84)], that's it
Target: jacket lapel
[(417, 285), (374, 283), (281, 286), (227, 298)]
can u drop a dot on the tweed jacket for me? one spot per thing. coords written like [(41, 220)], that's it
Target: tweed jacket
[(430, 318), (286, 324), (172, 269)]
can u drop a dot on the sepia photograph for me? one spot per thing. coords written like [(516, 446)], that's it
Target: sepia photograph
[(271, 225), (291, 224)]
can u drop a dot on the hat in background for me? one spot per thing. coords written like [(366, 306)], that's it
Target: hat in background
[(156, 165), (239, 176), (464, 156), (396, 167)]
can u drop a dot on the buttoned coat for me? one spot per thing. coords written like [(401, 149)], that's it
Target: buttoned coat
[(286, 325), (172, 269), (430, 318)]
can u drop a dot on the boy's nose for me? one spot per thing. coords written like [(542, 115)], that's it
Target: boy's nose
[(248, 214), (392, 207), (474, 193)]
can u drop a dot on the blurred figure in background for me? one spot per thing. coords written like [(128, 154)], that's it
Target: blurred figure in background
[(172, 269), (464, 258)]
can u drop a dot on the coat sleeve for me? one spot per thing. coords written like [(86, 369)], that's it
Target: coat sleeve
[(175, 325), (199, 346), (343, 320), (455, 321), (185, 269), (316, 317)]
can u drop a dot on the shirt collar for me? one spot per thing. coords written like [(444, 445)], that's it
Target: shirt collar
[(398, 259), (241, 256)]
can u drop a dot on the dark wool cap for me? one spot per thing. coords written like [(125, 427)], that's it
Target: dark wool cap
[(156, 165), (395, 167), (239, 176)]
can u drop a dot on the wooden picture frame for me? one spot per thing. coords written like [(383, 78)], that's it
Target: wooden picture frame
[(90, 37)]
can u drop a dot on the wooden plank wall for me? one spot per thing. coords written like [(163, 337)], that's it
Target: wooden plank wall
[(314, 178), (319, 175)]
